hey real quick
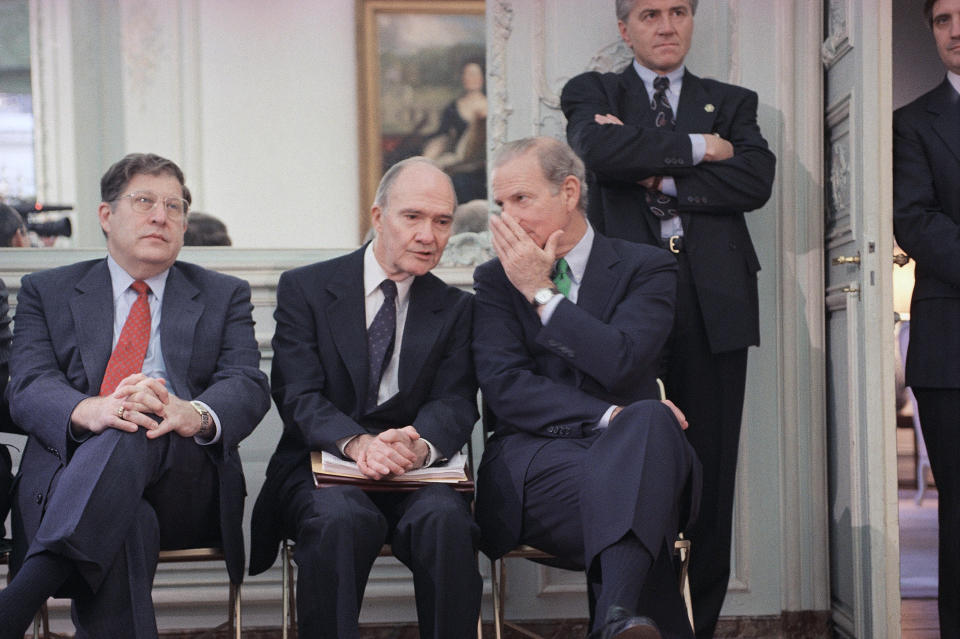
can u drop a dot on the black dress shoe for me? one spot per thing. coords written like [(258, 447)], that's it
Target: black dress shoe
[(621, 624)]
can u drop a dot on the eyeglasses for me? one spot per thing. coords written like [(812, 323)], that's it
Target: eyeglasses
[(144, 202)]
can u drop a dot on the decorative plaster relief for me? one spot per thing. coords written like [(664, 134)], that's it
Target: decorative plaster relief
[(142, 46), (613, 57), (838, 39), (838, 222), (500, 28)]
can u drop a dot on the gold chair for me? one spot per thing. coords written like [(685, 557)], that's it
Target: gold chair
[(234, 612), (288, 597), (498, 567)]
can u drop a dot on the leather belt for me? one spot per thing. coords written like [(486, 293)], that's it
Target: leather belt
[(674, 243)]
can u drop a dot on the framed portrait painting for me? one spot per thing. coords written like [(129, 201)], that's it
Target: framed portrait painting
[(421, 90)]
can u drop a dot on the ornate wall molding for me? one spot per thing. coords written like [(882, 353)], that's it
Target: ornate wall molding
[(499, 29), (838, 41)]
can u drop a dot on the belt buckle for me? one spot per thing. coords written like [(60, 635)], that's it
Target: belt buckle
[(674, 243)]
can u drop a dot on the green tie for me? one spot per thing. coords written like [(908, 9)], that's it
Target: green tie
[(561, 277)]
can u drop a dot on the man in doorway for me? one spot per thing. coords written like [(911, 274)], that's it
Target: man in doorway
[(673, 161), (926, 221), (135, 377), (372, 363), (584, 462)]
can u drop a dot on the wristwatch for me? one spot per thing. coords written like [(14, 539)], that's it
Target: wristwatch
[(205, 425), (544, 295)]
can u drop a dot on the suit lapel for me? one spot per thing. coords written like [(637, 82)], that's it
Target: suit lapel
[(178, 323), (424, 321), (696, 113), (346, 317), (599, 279), (944, 105), (92, 309), (635, 109)]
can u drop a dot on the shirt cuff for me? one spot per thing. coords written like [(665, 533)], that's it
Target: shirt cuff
[(216, 426), (698, 146), (433, 456), (549, 307), (342, 444), (668, 186), (605, 420)]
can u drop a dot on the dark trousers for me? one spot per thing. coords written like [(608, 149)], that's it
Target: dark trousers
[(119, 500), (709, 389), (339, 531), (940, 422), (583, 495)]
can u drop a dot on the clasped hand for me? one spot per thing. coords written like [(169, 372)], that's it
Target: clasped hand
[(131, 407), (388, 454)]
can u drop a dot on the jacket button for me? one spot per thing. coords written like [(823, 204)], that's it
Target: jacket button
[(733, 245), (39, 498)]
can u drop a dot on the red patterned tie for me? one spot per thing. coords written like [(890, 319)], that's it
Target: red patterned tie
[(131, 348)]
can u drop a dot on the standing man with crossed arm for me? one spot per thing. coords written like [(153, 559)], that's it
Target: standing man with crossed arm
[(674, 160)]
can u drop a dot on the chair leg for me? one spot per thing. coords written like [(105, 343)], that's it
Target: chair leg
[(285, 589), (684, 548), (497, 604), (236, 612)]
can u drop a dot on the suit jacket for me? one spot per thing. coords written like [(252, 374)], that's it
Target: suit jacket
[(6, 337), (64, 335), (542, 382), (712, 196), (926, 221), (319, 377)]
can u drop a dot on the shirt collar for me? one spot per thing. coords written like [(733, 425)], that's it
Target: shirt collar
[(373, 275), (121, 280), (648, 76), (578, 256), (954, 80)]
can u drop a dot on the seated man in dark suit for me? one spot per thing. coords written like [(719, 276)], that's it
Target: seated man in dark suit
[(135, 377), (581, 463), (372, 363)]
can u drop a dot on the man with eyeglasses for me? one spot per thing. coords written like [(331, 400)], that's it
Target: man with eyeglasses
[(135, 377)]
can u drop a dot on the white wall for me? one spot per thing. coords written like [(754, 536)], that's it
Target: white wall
[(256, 101)]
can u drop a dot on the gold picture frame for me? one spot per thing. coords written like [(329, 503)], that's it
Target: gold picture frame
[(411, 55)]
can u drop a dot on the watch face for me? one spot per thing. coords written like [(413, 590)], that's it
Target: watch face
[(542, 296)]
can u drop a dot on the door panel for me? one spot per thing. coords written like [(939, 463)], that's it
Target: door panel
[(864, 579)]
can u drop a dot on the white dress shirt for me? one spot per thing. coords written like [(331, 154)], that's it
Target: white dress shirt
[(373, 276)]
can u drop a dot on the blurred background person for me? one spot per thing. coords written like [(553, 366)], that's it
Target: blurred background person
[(13, 230), (204, 229)]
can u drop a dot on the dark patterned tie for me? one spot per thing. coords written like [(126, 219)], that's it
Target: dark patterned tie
[(380, 338), (561, 277), (662, 205), (131, 348)]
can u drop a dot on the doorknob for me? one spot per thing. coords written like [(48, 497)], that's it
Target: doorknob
[(850, 289), (843, 259), (901, 259)]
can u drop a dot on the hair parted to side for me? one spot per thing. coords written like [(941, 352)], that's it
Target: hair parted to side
[(928, 12), (119, 175), (557, 161), (386, 182), (624, 7)]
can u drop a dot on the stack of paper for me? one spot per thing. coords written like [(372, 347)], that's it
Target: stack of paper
[(451, 471)]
